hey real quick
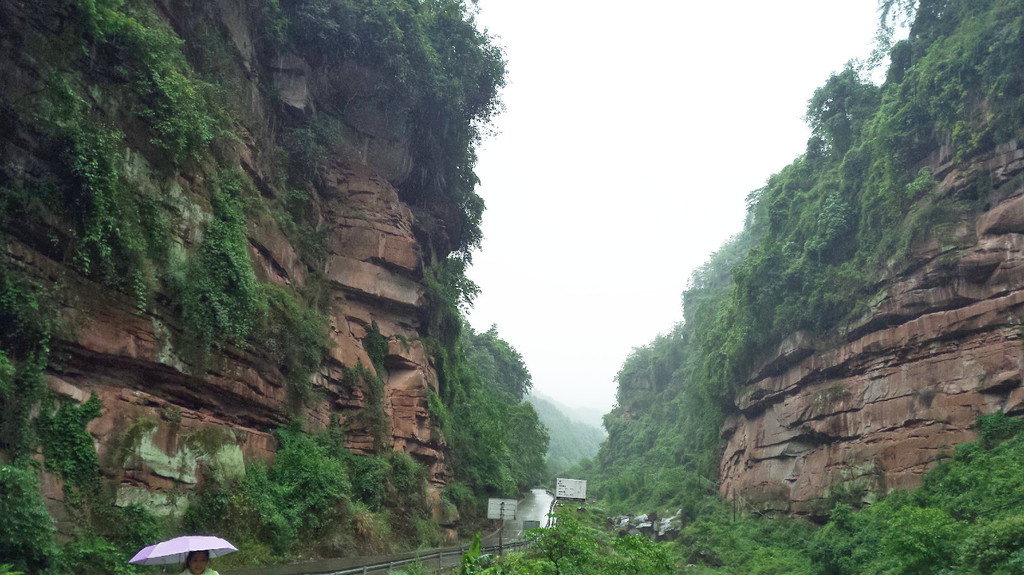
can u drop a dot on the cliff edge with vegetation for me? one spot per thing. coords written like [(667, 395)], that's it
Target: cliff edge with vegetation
[(234, 236), (868, 312)]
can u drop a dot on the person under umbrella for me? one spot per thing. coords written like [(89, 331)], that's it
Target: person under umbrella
[(194, 550), (198, 563)]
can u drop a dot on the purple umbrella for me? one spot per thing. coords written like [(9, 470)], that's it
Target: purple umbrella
[(175, 550)]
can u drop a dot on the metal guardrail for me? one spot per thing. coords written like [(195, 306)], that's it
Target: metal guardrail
[(423, 558), (438, 555)]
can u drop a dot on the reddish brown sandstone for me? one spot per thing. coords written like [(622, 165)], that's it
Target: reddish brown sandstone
[(160, 409), (871, 411)]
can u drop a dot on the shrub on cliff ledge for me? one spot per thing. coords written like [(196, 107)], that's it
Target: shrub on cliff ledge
[(110, 233), (318, 493)]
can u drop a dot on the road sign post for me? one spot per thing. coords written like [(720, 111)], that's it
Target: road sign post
[(501, 509), (571, 489)]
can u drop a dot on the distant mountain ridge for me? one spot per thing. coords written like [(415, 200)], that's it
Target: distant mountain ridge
[(570, 440), (591, 416)]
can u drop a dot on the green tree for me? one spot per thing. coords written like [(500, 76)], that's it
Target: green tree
[(919, 541), (221, 298), (996, 547), (568, 545), (837, 112), (638, 554), (499, 364), (28, 533)]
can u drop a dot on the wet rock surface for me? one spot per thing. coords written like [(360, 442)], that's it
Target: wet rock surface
[(649, 525), (869, 412), (169, 422)]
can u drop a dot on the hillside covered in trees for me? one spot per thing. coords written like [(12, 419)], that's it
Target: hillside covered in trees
[(570, 441)]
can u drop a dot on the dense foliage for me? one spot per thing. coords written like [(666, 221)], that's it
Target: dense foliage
[(819, 239), (498, 442), (24, 354), (104, 535), (29, 530), (318, 496), (967, 518), (575, 545), (220, 298)]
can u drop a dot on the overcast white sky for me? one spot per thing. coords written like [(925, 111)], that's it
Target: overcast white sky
[(633, 133)]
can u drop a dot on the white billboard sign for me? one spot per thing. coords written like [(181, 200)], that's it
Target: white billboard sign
[(501, 508), (571, 489)]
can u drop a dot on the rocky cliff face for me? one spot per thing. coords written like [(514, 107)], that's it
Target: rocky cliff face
[(165, 417), (871, 410)]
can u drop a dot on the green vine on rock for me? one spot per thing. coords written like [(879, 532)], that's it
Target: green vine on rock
[(24, 354), (28, 534), (372, 414), (68, 448), (111, 234), (294, 337), (376, 346), (181, 109), (221, 298)]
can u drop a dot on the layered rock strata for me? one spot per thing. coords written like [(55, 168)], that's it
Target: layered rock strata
[(167, 420), (871, 411)]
